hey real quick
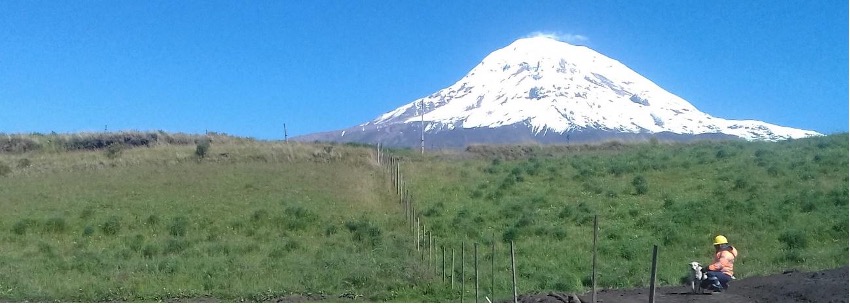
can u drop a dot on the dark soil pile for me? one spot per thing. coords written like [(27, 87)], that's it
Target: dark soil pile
[(791, 286)]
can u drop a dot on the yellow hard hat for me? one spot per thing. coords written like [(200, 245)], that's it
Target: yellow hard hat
[(720, 240)]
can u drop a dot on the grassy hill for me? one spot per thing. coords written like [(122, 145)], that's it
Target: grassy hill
[(105, 218), (784, 205), (250, 221)]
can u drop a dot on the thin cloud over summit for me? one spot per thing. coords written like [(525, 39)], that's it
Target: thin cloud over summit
[(563, 37)]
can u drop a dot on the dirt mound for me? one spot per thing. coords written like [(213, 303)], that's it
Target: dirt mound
[(790, 286)]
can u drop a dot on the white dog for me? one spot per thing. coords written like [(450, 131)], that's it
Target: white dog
[(696, 276)]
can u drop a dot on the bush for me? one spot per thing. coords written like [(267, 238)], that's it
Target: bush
[(364, 231), (88, 231), (794, 239), (114, 150), (668, 203), (178, 226), (55, 225), (296, 218), (259, 215), (149, 251), (722, 153), (566, 212), (5, 169), (111, 226), (559, 233), (168, 266), (510, 235), (87, 212), (282, 249), (135, 243), (18, 144), (203, 146), (640, 184), (793, 256), (46, 249), (24, 162), (175, 245), (330, 230), (21, 227), (153, 219)]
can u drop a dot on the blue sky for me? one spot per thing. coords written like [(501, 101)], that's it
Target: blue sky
[(247, 67)]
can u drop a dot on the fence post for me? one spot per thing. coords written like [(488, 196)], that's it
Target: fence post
[(420, 234), (443, 249), (462, 271), (417, 235), (434, 247), (513, 270), (593, 266), (430, 246), (476, 271), (652, 274), (422, 252), (452, 273), (493, 270)]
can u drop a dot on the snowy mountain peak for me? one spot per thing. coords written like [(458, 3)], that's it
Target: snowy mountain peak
[(550, 86)]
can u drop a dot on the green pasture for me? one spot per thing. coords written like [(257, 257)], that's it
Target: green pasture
[(256, 221)]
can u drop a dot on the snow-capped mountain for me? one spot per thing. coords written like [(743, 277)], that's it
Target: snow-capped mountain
[(543, 90)]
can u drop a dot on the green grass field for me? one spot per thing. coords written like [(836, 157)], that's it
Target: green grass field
[(784, 205), (265, 221), (256, 221)]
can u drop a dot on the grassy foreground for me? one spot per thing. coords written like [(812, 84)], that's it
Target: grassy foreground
[(256, 221)]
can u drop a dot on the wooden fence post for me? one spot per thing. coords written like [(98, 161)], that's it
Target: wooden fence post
[(513, 270), (652, 274), (476, 271), (453, 269), (462, 272), (436, 266), (493, 270), (593, 266), (417, 234), (430, 248), (443, 249), (422, 252)]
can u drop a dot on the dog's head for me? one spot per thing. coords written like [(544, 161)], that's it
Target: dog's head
[(695, 266)]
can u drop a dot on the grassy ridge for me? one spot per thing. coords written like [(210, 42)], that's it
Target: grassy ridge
[(785, 205), (257, 220)]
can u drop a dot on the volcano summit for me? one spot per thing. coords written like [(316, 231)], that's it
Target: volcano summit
[(540, 90)]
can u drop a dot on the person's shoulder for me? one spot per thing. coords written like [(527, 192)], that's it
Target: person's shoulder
[(733, 250)]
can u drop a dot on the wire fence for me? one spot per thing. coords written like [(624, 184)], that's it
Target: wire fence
[(440, 259), (450, 264)]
